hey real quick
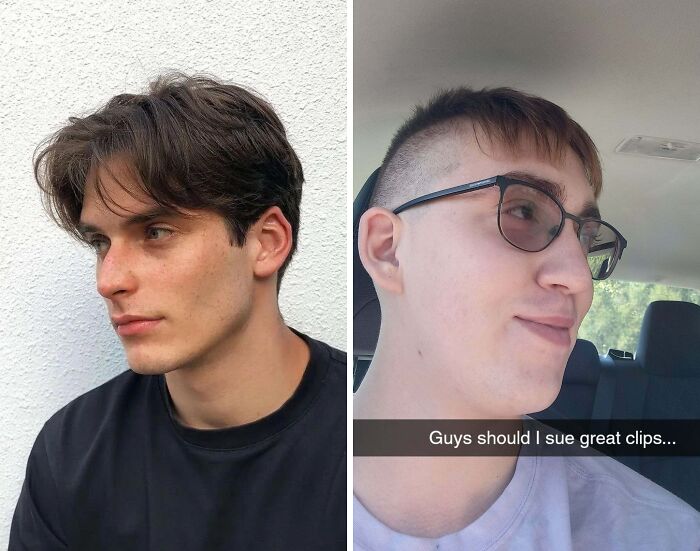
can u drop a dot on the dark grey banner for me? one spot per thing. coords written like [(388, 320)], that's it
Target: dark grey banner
[(449, 437)]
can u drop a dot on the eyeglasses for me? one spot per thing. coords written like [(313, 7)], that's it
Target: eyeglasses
[(529, 218)]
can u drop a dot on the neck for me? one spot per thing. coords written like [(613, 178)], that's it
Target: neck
[(246, 378), (421, 496), (430, 496), (401, 384)]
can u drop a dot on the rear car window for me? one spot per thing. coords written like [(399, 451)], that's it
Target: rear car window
[(615, 318)]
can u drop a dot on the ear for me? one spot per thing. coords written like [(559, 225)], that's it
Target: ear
[(377, 241), (271, 239)]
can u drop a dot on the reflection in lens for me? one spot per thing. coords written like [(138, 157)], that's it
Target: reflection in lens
[(600, 244), (529, 218), (599, 265)]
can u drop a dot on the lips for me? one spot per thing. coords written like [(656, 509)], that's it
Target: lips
[(554, 329), (134, 325)]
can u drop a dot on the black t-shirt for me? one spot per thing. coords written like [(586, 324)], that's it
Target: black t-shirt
[(114, 470)]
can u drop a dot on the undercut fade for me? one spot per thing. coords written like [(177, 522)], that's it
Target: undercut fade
[(191, 142), (507, 117)]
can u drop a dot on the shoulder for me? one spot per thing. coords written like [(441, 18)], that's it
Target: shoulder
[(102, 397), (77, 438), (612, 477), (608, 495), (333, 368), (325, 388), (337, 361), (333, 362), (331, 354), (79, 421), (592, 477), (604, 503)]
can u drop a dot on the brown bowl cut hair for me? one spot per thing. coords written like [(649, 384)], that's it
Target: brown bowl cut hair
[(191, 142)]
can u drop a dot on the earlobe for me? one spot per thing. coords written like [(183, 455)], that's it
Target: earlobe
[(378, 239), (273, 235)]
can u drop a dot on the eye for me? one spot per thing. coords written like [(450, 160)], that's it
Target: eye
[(523, 211), (98, 243), (156, 233)]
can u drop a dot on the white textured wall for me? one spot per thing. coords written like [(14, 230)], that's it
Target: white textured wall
[(66, 57)]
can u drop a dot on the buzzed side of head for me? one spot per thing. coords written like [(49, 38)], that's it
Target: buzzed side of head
[(428, 144)]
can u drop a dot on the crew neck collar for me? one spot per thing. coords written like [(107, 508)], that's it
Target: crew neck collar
[(484, 532), (288, 413)]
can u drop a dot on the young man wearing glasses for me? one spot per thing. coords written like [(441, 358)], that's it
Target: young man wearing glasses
[(481, 236), (228, 432)]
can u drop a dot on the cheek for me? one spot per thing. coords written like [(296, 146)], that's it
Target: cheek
[(220, 278), (584, 302), (584, 299), (463, 289), (205, 280)]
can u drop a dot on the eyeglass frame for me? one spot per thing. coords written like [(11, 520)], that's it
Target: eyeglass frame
[(503, 182)]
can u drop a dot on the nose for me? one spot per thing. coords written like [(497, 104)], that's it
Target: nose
[(564, 263), (115, 273)]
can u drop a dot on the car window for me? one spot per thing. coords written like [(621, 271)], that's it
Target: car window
[(615, 318)]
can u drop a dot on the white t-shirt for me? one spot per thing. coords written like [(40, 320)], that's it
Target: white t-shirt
[(560, 503)]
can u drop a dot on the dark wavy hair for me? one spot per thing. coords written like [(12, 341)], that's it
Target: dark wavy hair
[(193, 143)]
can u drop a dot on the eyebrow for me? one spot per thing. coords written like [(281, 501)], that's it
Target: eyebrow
[(590, 208), (134, 220)]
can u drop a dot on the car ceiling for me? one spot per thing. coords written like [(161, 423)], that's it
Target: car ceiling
[(620, 68)]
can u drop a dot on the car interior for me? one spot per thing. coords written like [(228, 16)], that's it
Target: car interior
[(629, 74)]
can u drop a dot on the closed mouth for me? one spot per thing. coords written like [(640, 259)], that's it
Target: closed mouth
[(555, 334)]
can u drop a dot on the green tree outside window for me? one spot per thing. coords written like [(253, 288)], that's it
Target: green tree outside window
[(615, 318)]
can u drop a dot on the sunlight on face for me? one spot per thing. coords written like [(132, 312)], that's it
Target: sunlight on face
[(476, 304)]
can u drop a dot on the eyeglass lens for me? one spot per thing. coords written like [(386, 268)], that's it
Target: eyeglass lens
[(530, 219)]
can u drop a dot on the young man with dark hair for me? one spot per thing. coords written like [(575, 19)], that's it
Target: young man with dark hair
[(482, 236), (228, 432)]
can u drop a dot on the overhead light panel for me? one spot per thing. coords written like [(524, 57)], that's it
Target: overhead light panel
[(663, 148)]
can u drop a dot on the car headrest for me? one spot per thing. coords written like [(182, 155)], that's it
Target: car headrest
[(583, 366), (669, 342), (365, 308)]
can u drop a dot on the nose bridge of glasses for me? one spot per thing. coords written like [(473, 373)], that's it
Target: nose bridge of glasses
[(576, 221)]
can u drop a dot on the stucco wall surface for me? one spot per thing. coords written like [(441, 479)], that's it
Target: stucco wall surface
[(65, 58)]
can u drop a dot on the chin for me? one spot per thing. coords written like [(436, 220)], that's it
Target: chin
[(142, 369), (149, 365), (534, 390), (541, 404), (543, 396)]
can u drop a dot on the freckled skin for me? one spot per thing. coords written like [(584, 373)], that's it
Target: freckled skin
[(201, 285)]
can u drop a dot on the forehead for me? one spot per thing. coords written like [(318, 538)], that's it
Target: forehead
[(114, 190), (115, 201), (563, 176), (114, 198)]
